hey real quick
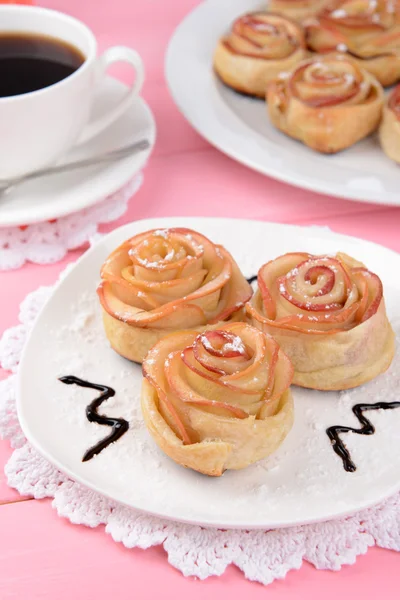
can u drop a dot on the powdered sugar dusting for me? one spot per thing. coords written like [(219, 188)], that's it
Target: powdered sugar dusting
[(236, 345), (304, 479), (316, 472), (349, 78), (134, 464), (85, 333), (164, 233), (340, 13), (170, 255)]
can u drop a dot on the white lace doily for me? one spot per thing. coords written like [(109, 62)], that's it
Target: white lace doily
[(263, 556), (48, 242)]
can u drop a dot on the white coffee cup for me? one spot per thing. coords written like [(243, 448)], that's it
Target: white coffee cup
[(39, 127)]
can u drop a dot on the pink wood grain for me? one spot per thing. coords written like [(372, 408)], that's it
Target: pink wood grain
[(43, 556), (184, 183), (6, 493)]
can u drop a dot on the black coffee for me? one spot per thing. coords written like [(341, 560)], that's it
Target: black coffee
[(32, 62)]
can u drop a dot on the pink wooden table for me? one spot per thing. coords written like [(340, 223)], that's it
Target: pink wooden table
[(43, 556)]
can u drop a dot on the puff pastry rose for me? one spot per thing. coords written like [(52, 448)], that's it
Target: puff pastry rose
[(327, 102), (165, 280), (367, 30), (328, 315), (259, 47), (297, 9), (389, 132), (217, 400)]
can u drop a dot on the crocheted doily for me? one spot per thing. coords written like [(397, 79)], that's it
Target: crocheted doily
[(48, 242), (263, 556)]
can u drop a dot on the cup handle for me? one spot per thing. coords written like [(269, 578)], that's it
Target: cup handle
[(110, 56)]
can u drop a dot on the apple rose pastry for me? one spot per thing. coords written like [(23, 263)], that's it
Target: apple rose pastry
[(165, 280), (217, 400), (297, 9), (389, 132), (327, 102), (367, 30), (328, 315), (259, 47)]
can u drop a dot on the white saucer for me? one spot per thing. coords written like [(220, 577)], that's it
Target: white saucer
[(59, 195), (303, 482)]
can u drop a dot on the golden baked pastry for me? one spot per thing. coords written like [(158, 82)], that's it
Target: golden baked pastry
[(328, 102), (297, 9), (259, 47), (217, 400), (389, 132), (164, 280), (367, 31), (328, 315)]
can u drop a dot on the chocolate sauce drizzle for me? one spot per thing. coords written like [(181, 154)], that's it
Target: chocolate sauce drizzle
[(252, 278), (367, 429), (119, 426)]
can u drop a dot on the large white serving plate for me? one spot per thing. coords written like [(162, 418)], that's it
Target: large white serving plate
[(303, 482), (239, 126)]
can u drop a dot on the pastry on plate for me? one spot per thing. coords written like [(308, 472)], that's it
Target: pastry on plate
[(367, 31), (297, 9), (164, 280), (389, 132), (328, 102), (259, 46), (328, 315), (217, 400)]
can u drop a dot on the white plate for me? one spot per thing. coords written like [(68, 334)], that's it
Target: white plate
[(239, 126), (59, 195), (303, 482)]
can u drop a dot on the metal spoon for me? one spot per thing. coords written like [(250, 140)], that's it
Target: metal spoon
[(6, 185)]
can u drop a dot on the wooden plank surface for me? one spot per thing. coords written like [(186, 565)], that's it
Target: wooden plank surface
[(43, 556)]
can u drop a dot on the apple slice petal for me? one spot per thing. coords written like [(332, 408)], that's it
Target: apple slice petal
[(218, 385), (228, 364), (118, 260), (371, 289), (189, 408), (165, 291), (154, 373), (201, 367), (268, 303), (166, 279), (307, 302), (320, 283), (174, 372), (236, 292), (131, 295), (170, 316), (283, 376)]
